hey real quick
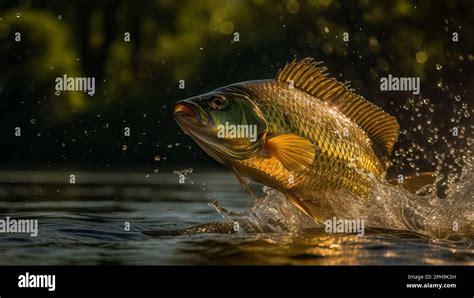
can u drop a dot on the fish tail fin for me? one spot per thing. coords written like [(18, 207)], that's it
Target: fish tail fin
[(416, 182)]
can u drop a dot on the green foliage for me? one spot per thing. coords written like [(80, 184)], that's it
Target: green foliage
[(32, 63), (194, 41)]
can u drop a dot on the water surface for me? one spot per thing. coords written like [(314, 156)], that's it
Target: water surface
[(83, 224)]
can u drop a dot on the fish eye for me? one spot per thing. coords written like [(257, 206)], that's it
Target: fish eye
[(217, 102)]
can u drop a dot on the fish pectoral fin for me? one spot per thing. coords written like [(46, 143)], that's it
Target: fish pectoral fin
[(244, 183), (290, 195), (415, 183), (294, 152)]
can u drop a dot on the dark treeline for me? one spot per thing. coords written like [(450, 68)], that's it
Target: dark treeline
[(137, 79)]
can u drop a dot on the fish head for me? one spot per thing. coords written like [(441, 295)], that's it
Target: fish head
[(226, 123)]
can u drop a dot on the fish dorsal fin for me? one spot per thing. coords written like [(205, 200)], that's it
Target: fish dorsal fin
[(305, 74)]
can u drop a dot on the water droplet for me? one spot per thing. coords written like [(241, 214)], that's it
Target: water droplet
[(439, 67), (124, 147), (157, 158), (18, 14), (33, 121), (60, 17), (421, 57), (184, 172), (293, 6), (457, 98)]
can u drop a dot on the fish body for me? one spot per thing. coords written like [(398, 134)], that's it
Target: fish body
[(314, 134)]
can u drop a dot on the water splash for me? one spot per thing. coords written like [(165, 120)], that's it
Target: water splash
[(387, 206), (444, 211), (434, 138), (272, 213), (184, 172), (394, 207)]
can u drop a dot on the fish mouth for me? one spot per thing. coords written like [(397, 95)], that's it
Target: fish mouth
[(199, 125), (185, 110), (192, 113), (193, 120), (187, 116)]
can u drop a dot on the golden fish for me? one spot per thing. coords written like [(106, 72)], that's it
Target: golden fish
[(311, 134)]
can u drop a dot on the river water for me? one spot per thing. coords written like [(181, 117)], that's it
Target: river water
[(86, 223)]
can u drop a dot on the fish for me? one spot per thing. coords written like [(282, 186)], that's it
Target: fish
[(312, 135)]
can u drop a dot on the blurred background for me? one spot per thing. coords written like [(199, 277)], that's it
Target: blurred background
[(137, 81)]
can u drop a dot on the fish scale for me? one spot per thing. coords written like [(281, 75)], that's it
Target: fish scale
[(315, 135), (311, 118)]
